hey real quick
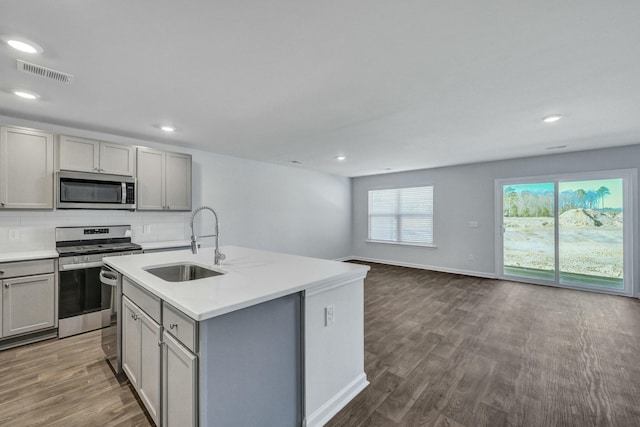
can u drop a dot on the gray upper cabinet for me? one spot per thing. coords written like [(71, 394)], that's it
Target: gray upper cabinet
[(117, 159), (164, 180), (178, 181), (87, 155), (26, 169), (151, 174)]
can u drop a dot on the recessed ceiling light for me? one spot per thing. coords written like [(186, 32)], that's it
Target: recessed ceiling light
[(168, 128), (341, 158), (556, 147), (22, 44), (25, 94), (295, 162), (552, 118)]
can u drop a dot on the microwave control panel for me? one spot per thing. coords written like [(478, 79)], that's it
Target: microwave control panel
[(131, 191)]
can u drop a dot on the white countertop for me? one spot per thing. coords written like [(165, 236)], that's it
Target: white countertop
[(251, 277), (28, 255), (166, 244)]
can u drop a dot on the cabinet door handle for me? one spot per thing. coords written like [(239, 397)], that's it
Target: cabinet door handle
[(1, 271), (6, 285), (1, 203), (134, 316), (173, 326)]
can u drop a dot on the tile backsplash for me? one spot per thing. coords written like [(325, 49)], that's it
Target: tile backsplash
[(31, 231)]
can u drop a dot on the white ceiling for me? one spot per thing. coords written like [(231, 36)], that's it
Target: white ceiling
[(396, 85)]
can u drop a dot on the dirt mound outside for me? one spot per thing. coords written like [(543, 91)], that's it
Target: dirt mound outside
[(582, 218)]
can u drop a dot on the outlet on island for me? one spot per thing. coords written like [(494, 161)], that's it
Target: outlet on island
[(329, 315), (14, 234)]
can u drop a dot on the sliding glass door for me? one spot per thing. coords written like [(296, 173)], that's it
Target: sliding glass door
[(528, 230), (591, 232), (570, 230)]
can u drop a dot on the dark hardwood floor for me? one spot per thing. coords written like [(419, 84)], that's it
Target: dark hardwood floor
[(64, 383), (440, 350), (449, 350)]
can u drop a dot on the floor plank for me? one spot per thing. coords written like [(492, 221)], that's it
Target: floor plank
[(65, 383), (470, 352)]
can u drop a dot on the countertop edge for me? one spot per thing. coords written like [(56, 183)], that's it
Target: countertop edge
[(28, 255), (316, 287), (164, 244)]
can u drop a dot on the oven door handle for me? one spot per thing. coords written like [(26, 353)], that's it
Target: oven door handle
[(109, 277), (80, 266)]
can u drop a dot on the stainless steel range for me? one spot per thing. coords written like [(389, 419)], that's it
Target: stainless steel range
[(83, 303)]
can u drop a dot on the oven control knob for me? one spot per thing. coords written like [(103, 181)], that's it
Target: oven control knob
[(86, 258), (75, 259)]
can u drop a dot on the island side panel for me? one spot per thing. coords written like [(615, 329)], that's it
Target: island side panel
[(251, 366), (334, 351)]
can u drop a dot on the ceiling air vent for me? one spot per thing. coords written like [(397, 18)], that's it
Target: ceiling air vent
[(45, 72)]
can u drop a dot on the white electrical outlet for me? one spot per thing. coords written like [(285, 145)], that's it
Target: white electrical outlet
[(146, 229), (471, 257), (14, 234), (329, 315), (473, 224)]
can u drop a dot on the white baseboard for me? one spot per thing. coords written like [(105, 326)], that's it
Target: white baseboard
[(463, 272), (324, 413), (426, 267)]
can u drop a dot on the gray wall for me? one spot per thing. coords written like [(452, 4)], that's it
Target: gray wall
[(279, 208), (260, 205), (466, 193)]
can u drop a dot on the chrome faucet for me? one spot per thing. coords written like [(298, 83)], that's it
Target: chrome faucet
[(219, 256)]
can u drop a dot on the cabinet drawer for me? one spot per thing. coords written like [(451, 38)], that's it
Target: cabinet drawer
[(180, 326), (26, 268), (148, 302)]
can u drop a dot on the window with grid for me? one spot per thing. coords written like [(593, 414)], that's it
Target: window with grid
[(401, 215)]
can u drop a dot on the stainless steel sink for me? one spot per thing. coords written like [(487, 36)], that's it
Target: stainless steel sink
[(182, 272)]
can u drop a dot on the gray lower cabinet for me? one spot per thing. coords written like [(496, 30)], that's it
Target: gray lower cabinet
[(145, 345), (243, 368), (130, 341), (141, 339), (149, 380), (28, 304), (180, 384), (28, 297)]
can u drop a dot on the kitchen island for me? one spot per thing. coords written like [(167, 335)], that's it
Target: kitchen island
[(274, 340)]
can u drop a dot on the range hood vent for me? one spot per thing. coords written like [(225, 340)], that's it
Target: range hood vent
[(45, 72)]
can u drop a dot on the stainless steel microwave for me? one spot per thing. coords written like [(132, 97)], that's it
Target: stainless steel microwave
[(86, 190)]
